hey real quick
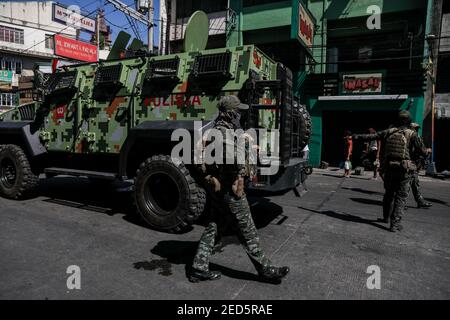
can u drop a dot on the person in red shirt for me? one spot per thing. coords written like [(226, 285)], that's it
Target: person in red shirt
[(348, 150)]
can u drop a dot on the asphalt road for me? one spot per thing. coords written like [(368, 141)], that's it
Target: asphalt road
[(329, 238)]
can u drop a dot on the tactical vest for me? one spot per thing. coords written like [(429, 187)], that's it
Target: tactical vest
[(397, 144)]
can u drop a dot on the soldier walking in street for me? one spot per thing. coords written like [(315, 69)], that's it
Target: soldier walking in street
[(400, 144), (226, 186), (419, 160)]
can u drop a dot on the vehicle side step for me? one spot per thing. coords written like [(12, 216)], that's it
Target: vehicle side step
[(81, 173)]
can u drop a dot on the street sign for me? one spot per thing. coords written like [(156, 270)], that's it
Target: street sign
[(75, 49), (305, 26), (73, 18), (6, 76), (362, 83)]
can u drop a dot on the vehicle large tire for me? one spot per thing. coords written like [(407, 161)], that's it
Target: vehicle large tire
[(166, 195), (305, 126), (17, 180)]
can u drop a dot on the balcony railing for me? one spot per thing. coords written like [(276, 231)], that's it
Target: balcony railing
[(218, 22)]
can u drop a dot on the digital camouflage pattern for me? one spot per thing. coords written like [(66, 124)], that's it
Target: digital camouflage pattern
[(396, 185), (397, 171), (236, 211), (415, 187), (229, 207), (84, 124)]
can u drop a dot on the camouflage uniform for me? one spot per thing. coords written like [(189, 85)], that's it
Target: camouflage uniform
[(397, 170), (228, 207), (415, 184)]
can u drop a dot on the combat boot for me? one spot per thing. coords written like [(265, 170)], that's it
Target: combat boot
[(198, 275), (383, 220), (396, 228), (273, 274), (424, 204)]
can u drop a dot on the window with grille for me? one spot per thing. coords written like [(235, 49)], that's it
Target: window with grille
[(249, 3), (11, 64), (184, 8), (12, 35), (49, 41), (7, 99)]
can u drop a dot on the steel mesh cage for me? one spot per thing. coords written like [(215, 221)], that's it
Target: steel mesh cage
[(61, 80), (212, 64), (162, 68), (108, 74)]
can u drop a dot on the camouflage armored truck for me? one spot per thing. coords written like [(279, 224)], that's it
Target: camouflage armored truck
[(114, 120)]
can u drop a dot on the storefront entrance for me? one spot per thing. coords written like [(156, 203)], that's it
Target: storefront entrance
[(334, 123)]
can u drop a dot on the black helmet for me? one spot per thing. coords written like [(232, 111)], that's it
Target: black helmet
[(404, 118)]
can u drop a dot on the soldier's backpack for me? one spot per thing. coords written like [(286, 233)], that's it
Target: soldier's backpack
[(397, 144)]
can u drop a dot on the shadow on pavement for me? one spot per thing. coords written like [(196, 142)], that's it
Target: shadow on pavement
[(182, 252), (115, 197), (263, 211), (437, 201), (333, 175), (106, 197), (362, 190), (347, 217), (368, 201)]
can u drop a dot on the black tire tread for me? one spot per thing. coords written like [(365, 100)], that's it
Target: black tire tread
[(197, 196), (305, 127), (30, 181)]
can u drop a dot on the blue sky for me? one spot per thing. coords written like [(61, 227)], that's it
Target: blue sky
[(116, 17)]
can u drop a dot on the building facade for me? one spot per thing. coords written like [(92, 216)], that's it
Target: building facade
[(355, 63), (27, 40)]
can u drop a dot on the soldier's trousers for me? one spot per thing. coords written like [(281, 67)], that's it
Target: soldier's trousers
[(396, 185), (415, 187), (247, 234)]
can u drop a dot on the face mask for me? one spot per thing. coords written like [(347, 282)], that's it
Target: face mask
[(235, 118)]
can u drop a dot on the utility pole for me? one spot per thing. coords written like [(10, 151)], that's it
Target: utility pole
[(150, 26), (430, 38), (97, 34), (168, 25), (139, 15)]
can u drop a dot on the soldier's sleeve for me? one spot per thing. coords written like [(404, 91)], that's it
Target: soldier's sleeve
[(380, 135), (418, 146)]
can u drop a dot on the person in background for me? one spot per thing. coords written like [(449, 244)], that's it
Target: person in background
[(348, 150), (305, 153), (400, 143), (373, 153)]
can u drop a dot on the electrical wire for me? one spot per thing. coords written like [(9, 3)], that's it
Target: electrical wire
[(48, 25), (57, 33)]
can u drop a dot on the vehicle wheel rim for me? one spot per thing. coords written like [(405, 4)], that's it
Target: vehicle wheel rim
[(161, 194), (8, 173)]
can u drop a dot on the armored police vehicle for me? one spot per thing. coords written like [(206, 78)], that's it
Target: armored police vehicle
[(114, 120)]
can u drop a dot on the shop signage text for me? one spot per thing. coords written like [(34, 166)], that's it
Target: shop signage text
[(74, 49), (306, 24), (71, 16), (6, 76), (362, 83)]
